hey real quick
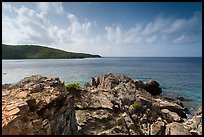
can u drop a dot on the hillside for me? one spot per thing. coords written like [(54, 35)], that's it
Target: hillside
[(39, 52)]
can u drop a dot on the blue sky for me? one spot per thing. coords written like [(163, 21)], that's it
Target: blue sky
[(137, 29)]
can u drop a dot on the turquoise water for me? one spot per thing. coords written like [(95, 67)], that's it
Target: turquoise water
[(177, 76)]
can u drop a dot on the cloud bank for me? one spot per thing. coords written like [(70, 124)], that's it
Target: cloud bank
[(23, 25)]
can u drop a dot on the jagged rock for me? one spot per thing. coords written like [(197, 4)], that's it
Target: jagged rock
[(199, 112), (94, 84), (121, 92), (109, 81), (173, 107), (94, 99), (130, 124), (112, 105), (170, 116), (152, 87), (48, 110), (157, 128), (117, 130), (194, 125), (87, 86), (92, 122), (167, 98), (175, 128), (139, 84), (183, 99)]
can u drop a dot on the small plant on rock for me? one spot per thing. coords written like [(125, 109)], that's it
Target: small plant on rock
[(72, 87), (137, 105)]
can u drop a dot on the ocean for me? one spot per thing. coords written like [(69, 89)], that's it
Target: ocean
[(178, 76)]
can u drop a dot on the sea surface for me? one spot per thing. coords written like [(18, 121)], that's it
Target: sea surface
[(178, 77)]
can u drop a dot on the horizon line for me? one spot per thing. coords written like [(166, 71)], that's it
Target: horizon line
[(152, 56)]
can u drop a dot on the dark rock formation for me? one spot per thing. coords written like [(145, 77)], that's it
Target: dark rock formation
[(152, 87), (183, 99), (38, 106)]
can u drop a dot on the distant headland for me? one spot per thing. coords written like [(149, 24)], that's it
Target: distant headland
[(39, 52)]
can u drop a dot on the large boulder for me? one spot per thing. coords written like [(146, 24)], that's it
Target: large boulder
[(38, 106), (152, 87)]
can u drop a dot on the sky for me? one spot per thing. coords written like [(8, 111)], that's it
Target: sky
[(110, 29)]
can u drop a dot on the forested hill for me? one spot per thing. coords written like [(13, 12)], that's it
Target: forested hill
[(39, 52)]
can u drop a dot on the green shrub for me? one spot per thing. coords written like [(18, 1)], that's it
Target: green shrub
[(72, 86), (136, 105)]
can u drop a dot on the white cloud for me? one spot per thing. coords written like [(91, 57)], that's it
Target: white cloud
[(23, 25), (51, 7), (184, 25), (155, 26), (151, 39), (32, 27), (75, 27), (114, 35), (184, 39), (160, 29), (28, 26)]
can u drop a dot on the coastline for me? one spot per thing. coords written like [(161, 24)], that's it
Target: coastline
[(110, 96), (70, 70)]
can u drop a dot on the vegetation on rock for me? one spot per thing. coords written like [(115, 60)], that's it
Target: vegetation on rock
[(136, 105), (39, 52), (72, 87)]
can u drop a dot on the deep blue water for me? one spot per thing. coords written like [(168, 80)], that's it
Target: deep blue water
[(177, 76)]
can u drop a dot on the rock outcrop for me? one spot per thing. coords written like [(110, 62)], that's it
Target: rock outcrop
[(118, 105), (111, 105), (38, 106), (176, 128), (194, 125), (152, 87)]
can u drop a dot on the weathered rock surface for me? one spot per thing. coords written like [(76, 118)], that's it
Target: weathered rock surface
[(175, 128), (38, 106), (158, 128), (174, 107), (111, 105), (194, 125), (170, 116), (118, 105)]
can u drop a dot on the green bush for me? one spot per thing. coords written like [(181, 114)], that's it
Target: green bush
[(72, 86), (136, 105)]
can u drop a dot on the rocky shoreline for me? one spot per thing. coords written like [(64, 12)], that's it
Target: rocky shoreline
[(111, 105)]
